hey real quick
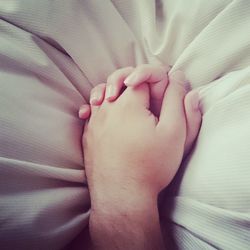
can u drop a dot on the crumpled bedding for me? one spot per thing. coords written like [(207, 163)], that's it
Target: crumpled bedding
[(53, 52)]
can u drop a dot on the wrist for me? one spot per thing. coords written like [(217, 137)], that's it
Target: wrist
[(129, 203), (109, 206), (114, 198), (124, 222)]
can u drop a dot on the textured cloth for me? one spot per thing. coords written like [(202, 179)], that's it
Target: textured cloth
[(53, 52)]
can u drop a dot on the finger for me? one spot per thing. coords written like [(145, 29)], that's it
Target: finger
[(146, 73), (137, 97), (96, 97), (97, 94), (193, 118), (172, 116), (115, 82), (157, 77), (84, 111)]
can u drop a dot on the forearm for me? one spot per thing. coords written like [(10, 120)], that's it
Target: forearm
[(121, 226)]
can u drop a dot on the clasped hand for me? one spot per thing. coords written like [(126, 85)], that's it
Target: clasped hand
[(134, 141)]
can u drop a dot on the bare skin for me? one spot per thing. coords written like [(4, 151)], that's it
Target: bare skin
[(133, 144)]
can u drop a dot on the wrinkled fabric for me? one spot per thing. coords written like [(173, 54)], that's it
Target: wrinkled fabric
[(53, 52)]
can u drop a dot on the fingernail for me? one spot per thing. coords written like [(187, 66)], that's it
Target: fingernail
[(82, 111), (131, 79), (196, 101), (109, 92), (94, 98)]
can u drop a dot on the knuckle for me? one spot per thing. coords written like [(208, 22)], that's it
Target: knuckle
[(129, 68), (115, 75), (118, 74), (141, 68), (163, 68)]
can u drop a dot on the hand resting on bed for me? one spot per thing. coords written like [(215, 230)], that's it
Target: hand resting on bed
[(133, 145)]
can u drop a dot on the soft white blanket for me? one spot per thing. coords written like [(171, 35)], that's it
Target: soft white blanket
[(53, 52)]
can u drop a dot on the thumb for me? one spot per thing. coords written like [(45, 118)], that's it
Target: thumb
[(193, 117), (172, 116)]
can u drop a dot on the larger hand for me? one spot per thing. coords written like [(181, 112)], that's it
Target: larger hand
[(130, 156)]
